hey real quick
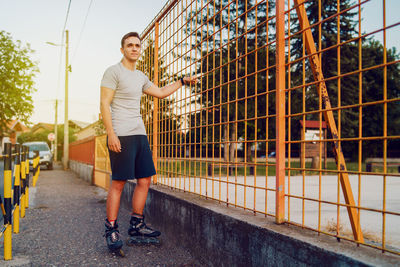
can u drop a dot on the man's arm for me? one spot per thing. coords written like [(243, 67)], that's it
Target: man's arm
[(169, 89), (106, 98)]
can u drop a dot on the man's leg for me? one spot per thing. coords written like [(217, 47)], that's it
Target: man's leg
[(114, 199), (140, 195), (140, 233)]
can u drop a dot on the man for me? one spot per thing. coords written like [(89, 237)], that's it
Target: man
[(130, 156)]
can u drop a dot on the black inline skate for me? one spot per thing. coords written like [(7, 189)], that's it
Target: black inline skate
[(113, 239), (141, 234)]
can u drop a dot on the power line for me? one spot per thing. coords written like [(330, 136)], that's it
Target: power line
[(83, 27), (66, 17)]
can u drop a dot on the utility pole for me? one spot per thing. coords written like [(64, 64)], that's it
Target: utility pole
[(55, 132), (66, 135)]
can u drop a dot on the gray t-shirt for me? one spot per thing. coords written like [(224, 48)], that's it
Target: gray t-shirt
[(125, 106)]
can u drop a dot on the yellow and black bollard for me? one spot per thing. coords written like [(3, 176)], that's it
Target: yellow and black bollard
[(36, 167), (23, 180), (7, 202), (26, 149), (18, 169)]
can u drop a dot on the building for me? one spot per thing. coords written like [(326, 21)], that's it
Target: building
[(14, 129)]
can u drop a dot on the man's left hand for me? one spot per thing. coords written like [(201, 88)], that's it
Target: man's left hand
[(191, 80)]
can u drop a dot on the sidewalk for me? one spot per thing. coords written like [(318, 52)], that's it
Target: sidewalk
[(64, 225)]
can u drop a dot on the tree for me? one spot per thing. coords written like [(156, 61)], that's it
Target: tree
[(17, 72), (225, 60), (373, 91), (372, 81)]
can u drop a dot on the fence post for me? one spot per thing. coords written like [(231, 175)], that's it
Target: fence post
[(18, 171), (155, 100), (7, 202), (280, 112), (26, 148)]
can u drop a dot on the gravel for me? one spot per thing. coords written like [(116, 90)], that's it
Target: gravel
[(64, 226)]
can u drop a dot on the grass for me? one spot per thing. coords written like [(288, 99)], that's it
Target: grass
[(199, 168), (370, 236)]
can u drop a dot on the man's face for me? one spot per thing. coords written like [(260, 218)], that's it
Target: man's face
[(131, 49)]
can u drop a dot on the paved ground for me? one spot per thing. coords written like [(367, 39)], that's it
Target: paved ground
[(65, 223)]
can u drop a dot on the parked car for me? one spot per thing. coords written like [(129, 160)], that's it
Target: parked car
[(46, 157)]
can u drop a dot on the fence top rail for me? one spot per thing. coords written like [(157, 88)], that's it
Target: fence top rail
[(167, 7)]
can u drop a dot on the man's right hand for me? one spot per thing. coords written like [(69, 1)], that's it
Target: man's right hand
[(113, 143)]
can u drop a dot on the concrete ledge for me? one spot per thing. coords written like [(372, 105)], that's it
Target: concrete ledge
[(84, 171), (223, 236)]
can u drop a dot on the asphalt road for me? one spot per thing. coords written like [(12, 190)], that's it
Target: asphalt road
[(64, 225)]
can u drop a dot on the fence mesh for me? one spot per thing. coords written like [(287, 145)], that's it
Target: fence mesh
[(297, 95)]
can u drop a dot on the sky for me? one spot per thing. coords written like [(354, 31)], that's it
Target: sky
[(95, 46), (40, 21)]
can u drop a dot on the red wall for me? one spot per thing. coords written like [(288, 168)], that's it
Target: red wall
[(83, 150)]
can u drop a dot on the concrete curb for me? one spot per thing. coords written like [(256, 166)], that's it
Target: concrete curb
[(223, 236)]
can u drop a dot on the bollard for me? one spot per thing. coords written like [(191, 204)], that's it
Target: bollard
[(7, 203), (18, 169), (27, 177), (23, 176), (36, 167)]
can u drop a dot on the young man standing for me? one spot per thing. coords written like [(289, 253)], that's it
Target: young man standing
[(130, 155)]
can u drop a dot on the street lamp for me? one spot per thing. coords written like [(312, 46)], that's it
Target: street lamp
[(67, 69)]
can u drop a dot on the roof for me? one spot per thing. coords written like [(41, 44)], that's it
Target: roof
[(313, 124), (47, 126), (80, 124), (16, 125)]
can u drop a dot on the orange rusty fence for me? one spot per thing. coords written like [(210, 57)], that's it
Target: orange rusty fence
[(295, 116)]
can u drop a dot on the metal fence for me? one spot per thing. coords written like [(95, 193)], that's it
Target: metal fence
[(284, 84)]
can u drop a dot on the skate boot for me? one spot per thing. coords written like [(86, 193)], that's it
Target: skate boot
[(141, 234), (113, 239)]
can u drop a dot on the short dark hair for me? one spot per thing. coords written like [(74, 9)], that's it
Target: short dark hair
[(129, 34)]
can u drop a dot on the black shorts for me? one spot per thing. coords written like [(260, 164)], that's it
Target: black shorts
[(135, 159)]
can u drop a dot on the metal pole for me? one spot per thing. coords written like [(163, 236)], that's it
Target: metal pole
[(280, 112), (66, 144), (55, 132), (155, 110)]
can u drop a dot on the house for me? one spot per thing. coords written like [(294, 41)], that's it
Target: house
[(14, 129), (77, 125), (90, 130), (41, 126)]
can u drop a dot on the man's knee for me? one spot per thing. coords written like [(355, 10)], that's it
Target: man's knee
[(117, 185), (145, 182)]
